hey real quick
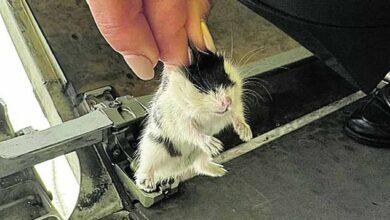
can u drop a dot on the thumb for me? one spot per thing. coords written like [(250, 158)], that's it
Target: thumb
[(196, 26)]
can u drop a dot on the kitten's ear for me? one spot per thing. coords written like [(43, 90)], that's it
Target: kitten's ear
[(196, 56), (193, 53)]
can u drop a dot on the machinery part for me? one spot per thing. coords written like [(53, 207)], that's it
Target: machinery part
[(146, 199), (25, 151), (26, 199), (126, 113), (22, 194), (6, 130), (112, 122)]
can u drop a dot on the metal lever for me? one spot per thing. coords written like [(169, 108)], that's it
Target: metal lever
[(112, 123), (25, 151)]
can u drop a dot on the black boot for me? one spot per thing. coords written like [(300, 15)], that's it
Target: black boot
[(370, 124)]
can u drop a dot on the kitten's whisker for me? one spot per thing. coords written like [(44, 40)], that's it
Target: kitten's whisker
[(252, 55), (253, 94), (253, 79), (232, 41), (258, 82), (248, 53), (249, 71), (266, 90), (251, 99), (251, 84)]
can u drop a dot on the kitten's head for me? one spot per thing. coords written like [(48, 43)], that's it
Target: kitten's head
[(210, 85)]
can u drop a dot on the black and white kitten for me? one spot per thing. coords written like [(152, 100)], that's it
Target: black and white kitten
[(192, 104)]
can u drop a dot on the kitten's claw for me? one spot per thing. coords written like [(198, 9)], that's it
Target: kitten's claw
[(213, 169), (244, 131), (146, 184), (212, 146)]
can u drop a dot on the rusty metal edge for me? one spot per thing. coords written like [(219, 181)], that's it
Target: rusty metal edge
[(7, 126)]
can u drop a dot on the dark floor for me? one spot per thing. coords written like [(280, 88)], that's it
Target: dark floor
[(313, 173), (311, 85)]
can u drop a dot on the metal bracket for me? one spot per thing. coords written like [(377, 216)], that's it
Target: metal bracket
[(111, 121), (126, 113), (23, 196), (25, 151)]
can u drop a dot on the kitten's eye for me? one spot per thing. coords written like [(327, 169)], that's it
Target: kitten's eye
[(200, 90), (230, 85)]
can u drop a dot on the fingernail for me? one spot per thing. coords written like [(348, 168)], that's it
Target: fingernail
[(190, 55), (141, 66), (208, 39)]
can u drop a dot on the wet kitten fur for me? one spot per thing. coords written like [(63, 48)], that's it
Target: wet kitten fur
[(191, 105)]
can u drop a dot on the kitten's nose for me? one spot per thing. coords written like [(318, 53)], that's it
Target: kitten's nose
[(227, 102)]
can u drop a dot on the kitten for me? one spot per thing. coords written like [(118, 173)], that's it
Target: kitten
[(191, 105)]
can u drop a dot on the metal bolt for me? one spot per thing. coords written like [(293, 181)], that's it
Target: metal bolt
[(108, 97), (116, 152), (91, 102), (115, 103)]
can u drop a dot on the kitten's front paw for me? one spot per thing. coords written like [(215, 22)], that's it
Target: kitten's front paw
[(147, 184), (244, 131), (212, 169), (212, 145)]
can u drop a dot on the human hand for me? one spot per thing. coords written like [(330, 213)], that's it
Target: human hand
[(145, 31)]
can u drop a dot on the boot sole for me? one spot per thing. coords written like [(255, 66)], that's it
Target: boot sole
[(372, 142)]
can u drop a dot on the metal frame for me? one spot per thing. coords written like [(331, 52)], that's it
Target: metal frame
[(48, 83), (27, 150), (23, 190)]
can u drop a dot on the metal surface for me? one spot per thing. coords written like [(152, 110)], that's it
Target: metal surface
[(22, 194), (108, 123), (6, 131), (30, 149), (146, 199), (26, 200), (275, 62), (83, 131), (38, 60), (98, 196)]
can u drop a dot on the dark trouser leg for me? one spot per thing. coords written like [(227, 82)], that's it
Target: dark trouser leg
[(360, 54)]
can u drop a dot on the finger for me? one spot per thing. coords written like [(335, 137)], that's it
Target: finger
[(193, 26), (167, 19), (125, 28), (197, 29), (208, 39)]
